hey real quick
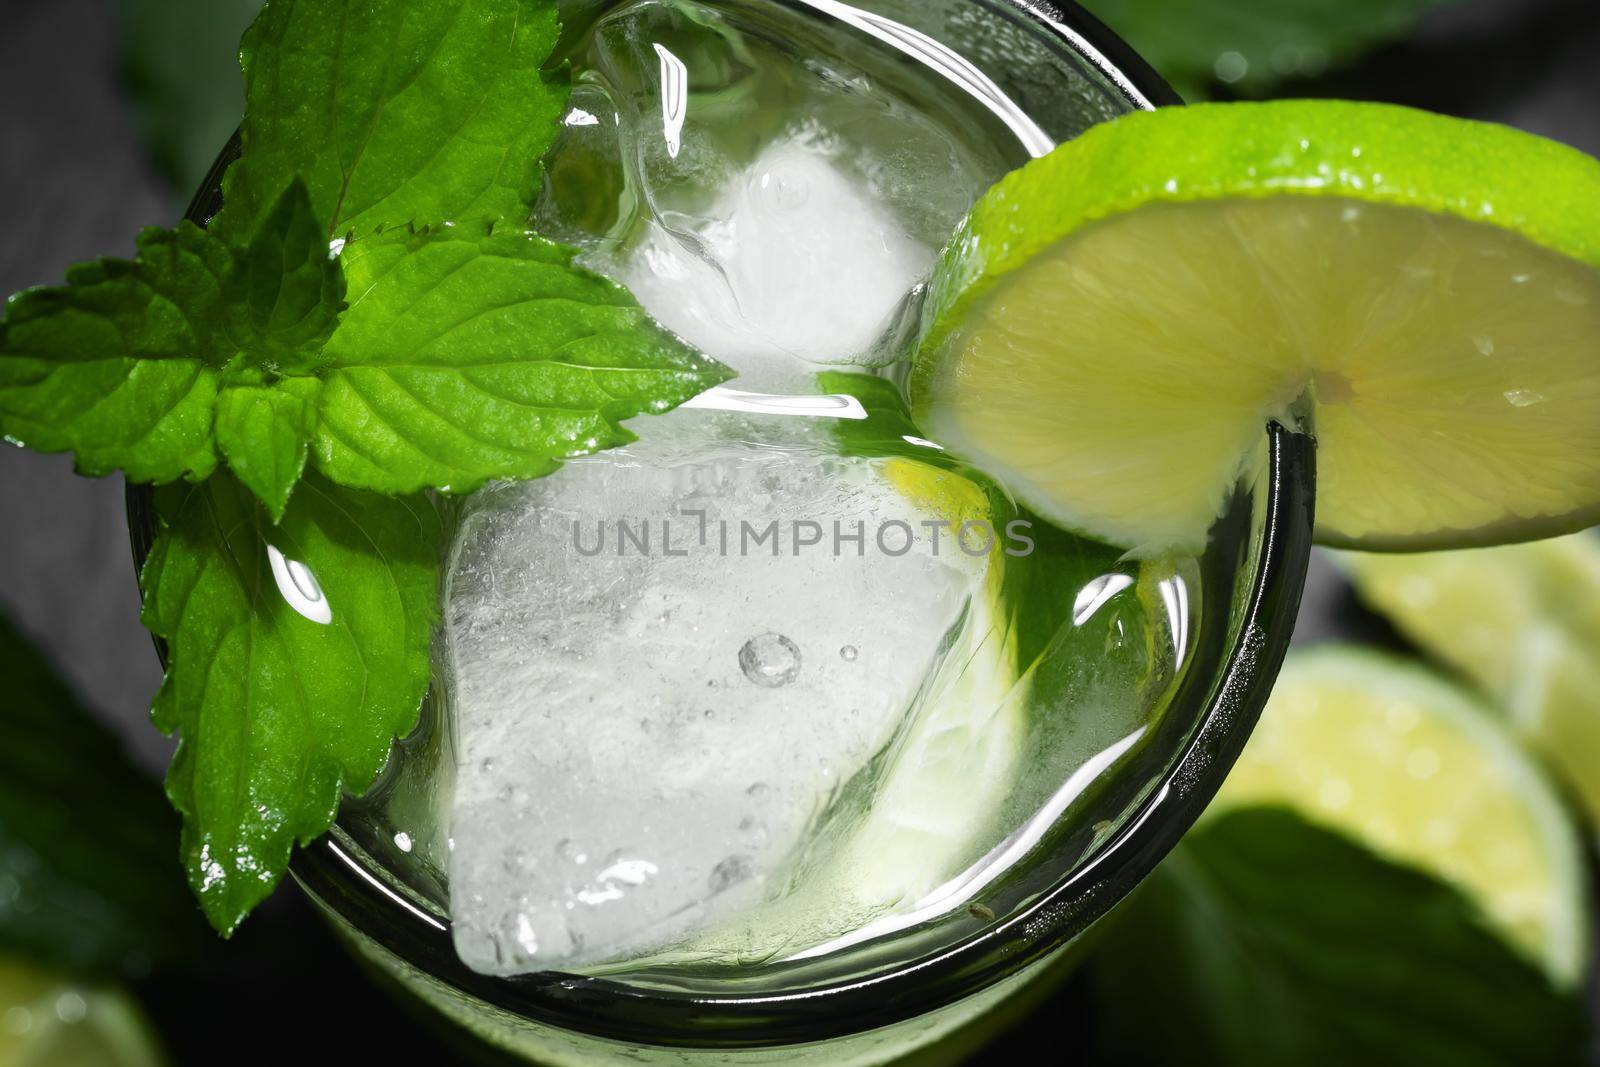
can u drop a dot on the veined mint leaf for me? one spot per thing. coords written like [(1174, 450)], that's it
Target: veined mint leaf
[(468, 354), (166, 303), (1273, 941), (298, 653), (286, 291), (120, 364), (396, 111), (123, 364), (85, 839), (151, 419), (264, 433)]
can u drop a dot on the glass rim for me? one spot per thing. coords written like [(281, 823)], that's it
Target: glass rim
[(609, 1009)]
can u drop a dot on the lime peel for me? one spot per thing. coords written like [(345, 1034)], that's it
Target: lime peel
[(1114, 324), (1418, 770)]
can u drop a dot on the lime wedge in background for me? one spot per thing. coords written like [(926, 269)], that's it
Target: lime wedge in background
[(50, 1021), (1522, 621), (1114, 324), (1417, 770)]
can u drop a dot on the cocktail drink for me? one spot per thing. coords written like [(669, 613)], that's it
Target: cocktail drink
[(780, 726)]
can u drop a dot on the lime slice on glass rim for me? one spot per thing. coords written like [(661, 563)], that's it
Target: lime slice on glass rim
[(1522, 622), (1115, 323), (1416, 769)]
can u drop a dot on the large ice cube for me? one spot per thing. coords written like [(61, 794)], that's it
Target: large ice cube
[(793, 262), (766, 199), (644, 740)]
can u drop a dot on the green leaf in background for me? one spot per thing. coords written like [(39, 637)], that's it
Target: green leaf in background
[(1252, 46), (1263, 940), (87, 882), (370, 107), (298, 653), (469, 354), (179, 60)]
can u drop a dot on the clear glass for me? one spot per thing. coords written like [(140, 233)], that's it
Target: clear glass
[(1014, 79)]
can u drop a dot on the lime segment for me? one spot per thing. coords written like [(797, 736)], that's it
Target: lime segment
[(1414, 768), (1116, 323), (50, 1021), (1523, 622)]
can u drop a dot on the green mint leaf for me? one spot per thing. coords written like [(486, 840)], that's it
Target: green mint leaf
[(87, 882), (151, 419), (1252, 48), (396, 112), (298, 653), (264, 433), (120, 364), (286, 291), (468, 355), (123, 364), (1269, 941), (163, 304)]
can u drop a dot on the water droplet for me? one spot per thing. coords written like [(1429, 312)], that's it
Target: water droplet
[(1096, 594), (1523, 398), (848, 653), (770, 660), (299, 587)]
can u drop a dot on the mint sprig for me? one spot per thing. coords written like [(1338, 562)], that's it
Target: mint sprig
[(283, 697), (367, 312)]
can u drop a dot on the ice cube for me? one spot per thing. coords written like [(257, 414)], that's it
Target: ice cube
[(772, 205), (796, 261), (645, 737)]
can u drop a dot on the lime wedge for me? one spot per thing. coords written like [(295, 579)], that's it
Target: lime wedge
[(1523, 622), (954, 767), (1115, 323), (50, 1021), (1413, 767)]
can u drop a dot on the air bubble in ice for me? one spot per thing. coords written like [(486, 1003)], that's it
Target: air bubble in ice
[(770, 660)]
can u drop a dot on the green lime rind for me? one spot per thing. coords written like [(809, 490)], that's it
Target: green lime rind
[(1520, 621), (1114, 325), (1539, 189), (1423, 772)]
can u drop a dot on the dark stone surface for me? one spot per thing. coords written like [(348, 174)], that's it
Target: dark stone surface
[(73, 186)]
